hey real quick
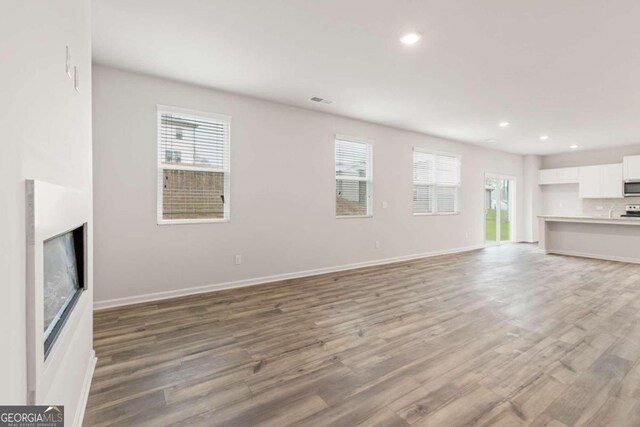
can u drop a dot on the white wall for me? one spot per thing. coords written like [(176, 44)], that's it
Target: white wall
[(532, 197), (564, 199), (46, 135), (590, 157), (282, 193)]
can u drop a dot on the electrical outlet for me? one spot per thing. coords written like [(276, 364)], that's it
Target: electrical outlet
[(238, 259), (377, 244), (385, 205), (466, 235)]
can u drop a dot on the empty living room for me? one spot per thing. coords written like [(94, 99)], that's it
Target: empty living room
[(320, 213)]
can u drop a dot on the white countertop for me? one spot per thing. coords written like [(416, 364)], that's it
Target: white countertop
[(618, 220)]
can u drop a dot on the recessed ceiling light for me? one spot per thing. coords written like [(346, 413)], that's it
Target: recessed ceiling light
[(411, 38), (573, 147), (544, 137), (504, 124)]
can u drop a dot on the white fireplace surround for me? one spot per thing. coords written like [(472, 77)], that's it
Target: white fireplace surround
[(65, 374)]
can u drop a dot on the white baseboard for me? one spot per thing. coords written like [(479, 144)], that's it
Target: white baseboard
[(86, 387), (593, 256), (116, 302)]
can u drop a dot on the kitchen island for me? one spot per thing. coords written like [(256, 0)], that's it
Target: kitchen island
[(615, 239)]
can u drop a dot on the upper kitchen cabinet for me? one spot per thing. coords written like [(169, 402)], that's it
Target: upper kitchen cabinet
[(590, 182), (601, 182), (631, 168), (612, 182), (558, 176)]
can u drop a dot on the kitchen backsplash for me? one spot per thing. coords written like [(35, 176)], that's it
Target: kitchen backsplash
[(564, 200), (590, 206)]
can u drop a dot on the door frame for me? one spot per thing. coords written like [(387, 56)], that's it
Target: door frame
[(512, 208)]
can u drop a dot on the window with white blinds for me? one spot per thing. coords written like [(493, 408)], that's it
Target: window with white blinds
[(193, 166), (353, 178), (436, 182)]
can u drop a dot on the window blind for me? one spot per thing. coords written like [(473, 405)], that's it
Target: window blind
[(436, 182), (193, 166), (353, 178), (424, 173)]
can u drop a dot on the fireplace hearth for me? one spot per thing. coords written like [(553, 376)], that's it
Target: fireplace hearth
[(58, 285)]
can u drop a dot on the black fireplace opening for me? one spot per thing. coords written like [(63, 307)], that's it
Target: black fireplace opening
[(64, 281)]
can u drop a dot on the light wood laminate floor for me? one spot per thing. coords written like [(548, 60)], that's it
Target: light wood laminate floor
[(504, 336)]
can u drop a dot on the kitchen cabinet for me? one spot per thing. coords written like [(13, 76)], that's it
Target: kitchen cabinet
[(558, 176), (601, 182), (590, 182), (546, 176), (612, 185), (631, 168)]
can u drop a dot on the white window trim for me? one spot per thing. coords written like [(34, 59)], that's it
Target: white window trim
[(227, 196), (340, 137), (435, 201), (436, 213)]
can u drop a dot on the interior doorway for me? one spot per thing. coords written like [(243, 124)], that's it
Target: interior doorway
[(499, 209)]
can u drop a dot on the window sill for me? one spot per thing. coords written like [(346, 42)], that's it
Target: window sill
[(437, 214), (190, 221), (353, 216)]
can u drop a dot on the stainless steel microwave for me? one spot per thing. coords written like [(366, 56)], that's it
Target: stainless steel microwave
[(632, 189)]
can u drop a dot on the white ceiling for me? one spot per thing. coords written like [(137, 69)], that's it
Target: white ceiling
[(567, 68)]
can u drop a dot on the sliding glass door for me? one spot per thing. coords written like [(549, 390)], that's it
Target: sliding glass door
[(499, 209)]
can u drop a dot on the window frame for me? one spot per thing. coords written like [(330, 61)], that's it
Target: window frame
[(198, 115), (368, 179), (434, 211)]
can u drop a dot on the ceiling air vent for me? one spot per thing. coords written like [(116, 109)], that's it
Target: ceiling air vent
[(321, 100)]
